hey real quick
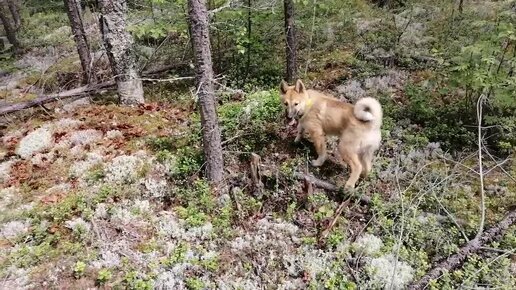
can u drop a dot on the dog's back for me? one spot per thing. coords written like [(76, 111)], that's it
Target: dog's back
[(336, 116)]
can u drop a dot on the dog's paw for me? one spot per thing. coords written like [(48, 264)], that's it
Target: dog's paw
[(349, 186), (317, 163)]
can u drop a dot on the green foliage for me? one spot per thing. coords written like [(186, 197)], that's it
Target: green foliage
[(162, 143), (256, 118), (194, 283), (178, 255), (450, 124), (479, 271), (193, 216), (480, 61), (103, 276), (96, 174), (48, 28), (78, 269), (134, 281), (335, 238), (27, 256), (154, 30)]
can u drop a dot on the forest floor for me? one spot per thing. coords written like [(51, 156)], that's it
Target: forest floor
[(97, 195)]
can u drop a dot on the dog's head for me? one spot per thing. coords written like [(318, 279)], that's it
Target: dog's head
[(294, 99)]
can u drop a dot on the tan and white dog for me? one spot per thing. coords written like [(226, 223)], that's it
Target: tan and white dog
[(357, 126)]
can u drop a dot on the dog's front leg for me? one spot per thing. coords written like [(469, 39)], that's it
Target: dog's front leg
[(299, 132), (319, 141)]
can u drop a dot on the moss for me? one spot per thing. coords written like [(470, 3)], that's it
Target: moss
[(194, 283)]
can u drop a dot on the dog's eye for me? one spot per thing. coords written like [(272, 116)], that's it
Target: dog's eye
[(295, 104), (286, 104)]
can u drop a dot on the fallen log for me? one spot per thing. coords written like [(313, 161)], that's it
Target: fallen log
[(77, 92), (454, 261), (43, 99), (329, 186)]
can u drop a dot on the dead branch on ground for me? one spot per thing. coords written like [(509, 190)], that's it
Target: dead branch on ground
[(83, 91), (454, 261)]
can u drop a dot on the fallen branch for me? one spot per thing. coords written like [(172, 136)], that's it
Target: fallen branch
[(327, 231), (43, 99), (83, 91), (478, 243), (329, 186)]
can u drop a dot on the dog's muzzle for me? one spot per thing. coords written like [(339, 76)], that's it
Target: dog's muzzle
[(293, 122)]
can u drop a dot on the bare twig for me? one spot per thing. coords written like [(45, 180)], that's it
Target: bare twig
[(170, 80), (402, 231), (154, 52), (327, 231), (480, 166), (225, 6), (233, 138)]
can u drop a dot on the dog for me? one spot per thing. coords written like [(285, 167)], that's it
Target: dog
[(357, 126)]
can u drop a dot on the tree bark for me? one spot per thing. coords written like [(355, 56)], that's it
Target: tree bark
[(199, 28), (454, 261), (118, 43), (290, 35), (72, 9), (15, 12), (8, 27)]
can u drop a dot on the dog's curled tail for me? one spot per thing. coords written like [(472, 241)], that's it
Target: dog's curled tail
[(369, 110)]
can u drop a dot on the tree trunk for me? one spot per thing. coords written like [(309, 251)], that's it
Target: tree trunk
[(290, 34), (199, 28), (461, 6), (13, 7), (8, 27), (72, 9), (118, 43)]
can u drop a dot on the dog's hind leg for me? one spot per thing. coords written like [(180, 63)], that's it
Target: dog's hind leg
[(353, 160), (366, 158), (319, 140)]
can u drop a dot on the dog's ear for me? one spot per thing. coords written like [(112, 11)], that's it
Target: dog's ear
[(283, 87), (300, 87)]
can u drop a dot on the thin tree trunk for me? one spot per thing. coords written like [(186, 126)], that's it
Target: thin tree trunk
[(199, 29), (461, 6), (72, 9), (118, 43), (8, 27), (290, 34), (13, 7)]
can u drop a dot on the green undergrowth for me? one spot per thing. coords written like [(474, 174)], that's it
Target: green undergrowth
[(256, 120)]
